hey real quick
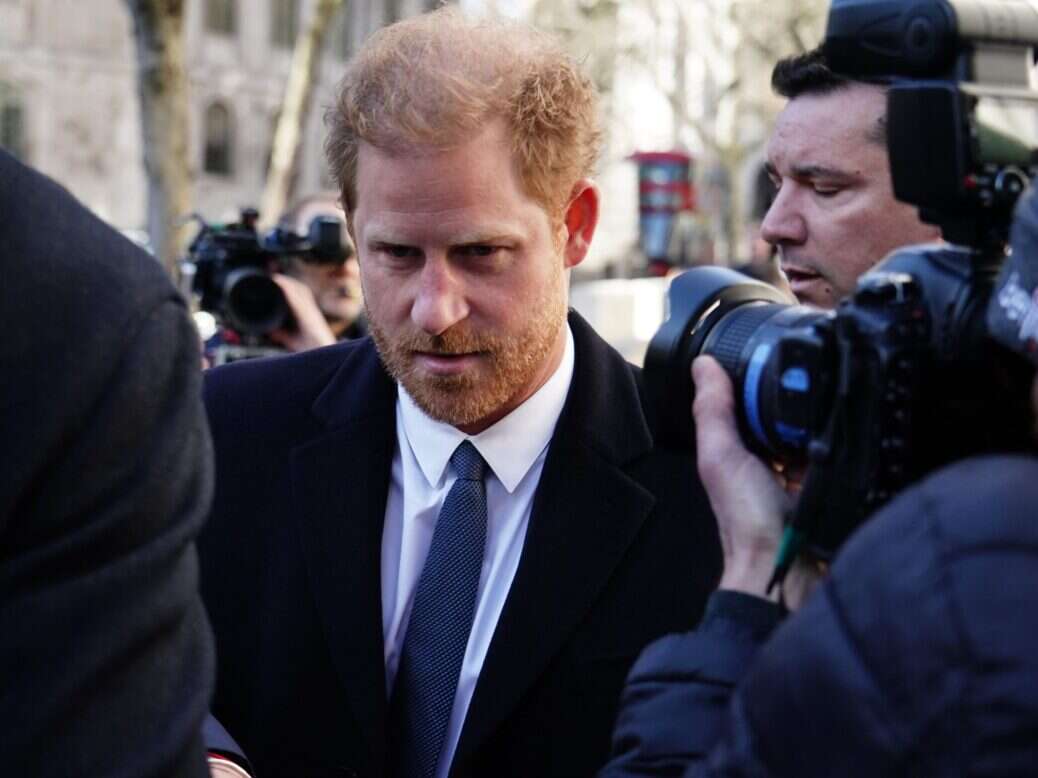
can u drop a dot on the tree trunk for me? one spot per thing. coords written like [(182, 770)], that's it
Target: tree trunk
[(162, 88), (306, 56)]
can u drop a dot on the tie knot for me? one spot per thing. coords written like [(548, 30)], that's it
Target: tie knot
[(467, 462)]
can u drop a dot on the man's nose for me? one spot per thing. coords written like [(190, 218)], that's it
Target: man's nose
[(784, 224), (440, 302)]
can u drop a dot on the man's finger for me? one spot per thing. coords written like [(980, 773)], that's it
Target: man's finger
[(713, 409)]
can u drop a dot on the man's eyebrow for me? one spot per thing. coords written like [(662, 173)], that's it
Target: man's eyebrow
[(821, 171), (474, 238)]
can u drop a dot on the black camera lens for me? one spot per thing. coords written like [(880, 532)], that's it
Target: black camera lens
[(255, 304), (774, 353)]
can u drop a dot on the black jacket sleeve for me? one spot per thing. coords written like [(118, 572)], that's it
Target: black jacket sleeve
[(916, 657), (676, 696)]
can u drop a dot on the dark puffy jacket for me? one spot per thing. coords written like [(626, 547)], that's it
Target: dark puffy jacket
[(919, 655)]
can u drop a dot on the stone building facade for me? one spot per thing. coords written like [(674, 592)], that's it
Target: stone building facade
[(68, 99)]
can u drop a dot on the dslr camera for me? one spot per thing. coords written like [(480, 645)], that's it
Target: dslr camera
[(930, 359), (230, 268)]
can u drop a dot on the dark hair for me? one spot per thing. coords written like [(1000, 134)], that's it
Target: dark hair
[(809, 74), (806, 73)]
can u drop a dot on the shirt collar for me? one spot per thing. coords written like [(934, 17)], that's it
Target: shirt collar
[(509, 446)]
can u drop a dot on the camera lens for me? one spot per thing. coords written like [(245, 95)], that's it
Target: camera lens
[(255, 304), (775, 354)]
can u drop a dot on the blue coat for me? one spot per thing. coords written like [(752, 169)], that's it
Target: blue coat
[(919, 655), (621, 549)]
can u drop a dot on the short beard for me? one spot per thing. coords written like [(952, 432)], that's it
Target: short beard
[(462, 400)]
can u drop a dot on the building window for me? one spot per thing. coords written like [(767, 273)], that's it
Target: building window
[(220, 17), (284, 22), (218, 140), (12, 121)]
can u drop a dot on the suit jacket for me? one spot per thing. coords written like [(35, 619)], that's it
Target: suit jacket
[(621, 548), (106, 659)]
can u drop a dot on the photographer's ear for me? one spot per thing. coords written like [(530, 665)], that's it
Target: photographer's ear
[(580, 221)]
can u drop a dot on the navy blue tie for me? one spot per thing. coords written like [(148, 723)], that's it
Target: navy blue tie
[(441, 619)]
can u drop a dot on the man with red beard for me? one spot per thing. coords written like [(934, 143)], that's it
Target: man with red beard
[(438, 550), (834, 215)]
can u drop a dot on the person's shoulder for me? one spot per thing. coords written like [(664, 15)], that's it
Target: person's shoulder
[(929, 608), (938, 542), (56, 250), (986, 497), (271, 386), (971, 503)]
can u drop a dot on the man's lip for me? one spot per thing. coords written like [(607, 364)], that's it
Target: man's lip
[(444, 363), (795, 271)]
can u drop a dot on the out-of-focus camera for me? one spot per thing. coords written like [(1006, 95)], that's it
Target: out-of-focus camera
[(230, 266), (926, 362)]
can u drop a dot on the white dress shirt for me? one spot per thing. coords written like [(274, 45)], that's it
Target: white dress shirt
[(514, 449)]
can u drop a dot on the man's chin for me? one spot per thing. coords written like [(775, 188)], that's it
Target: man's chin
[(449, 399), (813, 290)]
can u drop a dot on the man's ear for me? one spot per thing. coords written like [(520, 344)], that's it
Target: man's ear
[(580, 220)]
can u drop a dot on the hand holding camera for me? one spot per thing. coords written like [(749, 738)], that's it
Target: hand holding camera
[(927, 361), (234, 273), (310, 328), (749, 499)]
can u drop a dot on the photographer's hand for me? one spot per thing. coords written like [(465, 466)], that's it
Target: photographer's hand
[(747, 496), (311, 330)]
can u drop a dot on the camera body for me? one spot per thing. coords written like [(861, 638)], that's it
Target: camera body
[(231, 265), (904, 375)]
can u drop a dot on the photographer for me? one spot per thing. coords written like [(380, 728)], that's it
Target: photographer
[(325, 298), (294, 288), (915, 656)]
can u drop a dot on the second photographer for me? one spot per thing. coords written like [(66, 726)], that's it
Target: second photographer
[(325, 298), (294, 288)]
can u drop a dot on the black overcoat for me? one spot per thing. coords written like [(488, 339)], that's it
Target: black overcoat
[(621, 548)]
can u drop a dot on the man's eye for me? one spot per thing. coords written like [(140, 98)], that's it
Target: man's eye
[(826, 191), (478, 250), (398, 252)]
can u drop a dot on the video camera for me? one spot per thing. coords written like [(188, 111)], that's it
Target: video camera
[(930, 359), (231, 264)]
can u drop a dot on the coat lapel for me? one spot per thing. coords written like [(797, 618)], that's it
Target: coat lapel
[(340, 482), (586, 513)]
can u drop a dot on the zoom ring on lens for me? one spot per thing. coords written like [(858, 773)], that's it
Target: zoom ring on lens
[(731, 334)]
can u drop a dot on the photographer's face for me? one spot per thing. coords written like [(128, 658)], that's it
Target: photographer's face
[(336, 289), (834, 215), (465, 276)]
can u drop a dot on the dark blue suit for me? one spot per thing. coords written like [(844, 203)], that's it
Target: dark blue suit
[(621, 548)]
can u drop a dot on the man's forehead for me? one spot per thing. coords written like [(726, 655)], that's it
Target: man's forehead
[(833, 130)]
